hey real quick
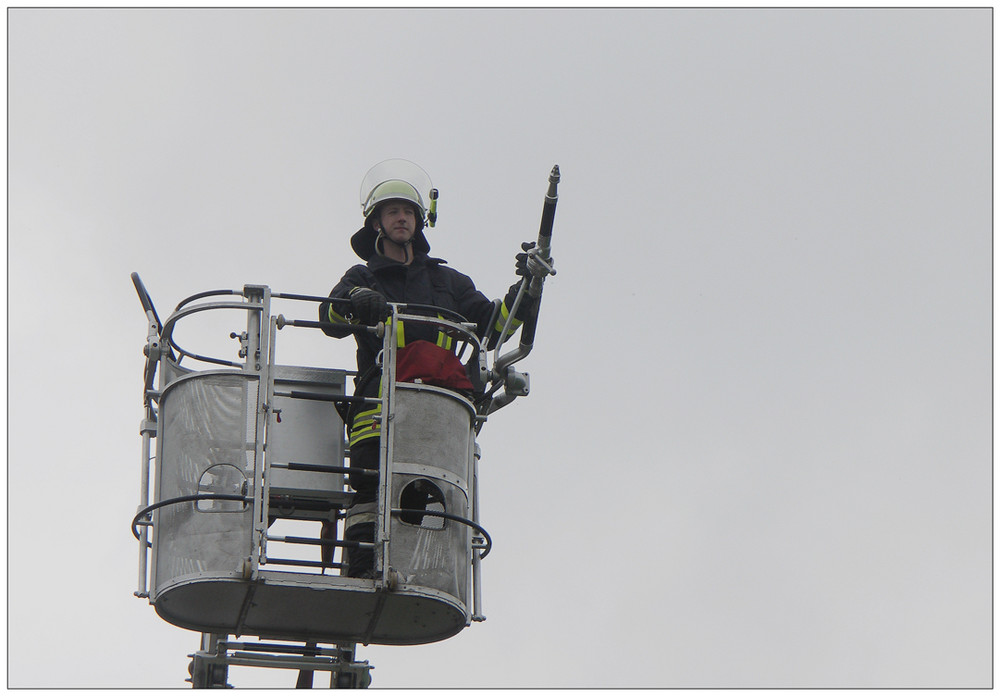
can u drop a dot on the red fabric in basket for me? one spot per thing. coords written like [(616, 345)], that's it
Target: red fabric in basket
[(430, 364)]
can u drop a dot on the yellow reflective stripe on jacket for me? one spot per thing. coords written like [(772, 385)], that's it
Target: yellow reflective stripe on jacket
[(502, 321), (443, 339)]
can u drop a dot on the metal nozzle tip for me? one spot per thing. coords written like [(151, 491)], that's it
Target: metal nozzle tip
[(554, 176)]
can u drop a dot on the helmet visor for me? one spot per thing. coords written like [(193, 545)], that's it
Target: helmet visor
[(394, 178)]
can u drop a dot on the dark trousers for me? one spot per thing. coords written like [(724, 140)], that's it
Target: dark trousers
[(364, 458)]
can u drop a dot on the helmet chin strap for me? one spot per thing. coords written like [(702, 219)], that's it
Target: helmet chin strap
[(405, 246)]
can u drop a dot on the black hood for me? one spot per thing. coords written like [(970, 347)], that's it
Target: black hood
[(363, 242)]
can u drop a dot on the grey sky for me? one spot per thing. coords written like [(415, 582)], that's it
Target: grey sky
[(757, 451)]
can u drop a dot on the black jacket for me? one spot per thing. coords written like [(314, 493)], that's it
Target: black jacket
[(426, 281)]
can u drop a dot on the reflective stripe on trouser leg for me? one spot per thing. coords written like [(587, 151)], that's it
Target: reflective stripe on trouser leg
[(365, 425), (361, 513)]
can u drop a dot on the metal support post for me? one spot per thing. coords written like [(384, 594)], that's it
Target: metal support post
[(258, 335), (148, 431), (386, 448), (477, 592)]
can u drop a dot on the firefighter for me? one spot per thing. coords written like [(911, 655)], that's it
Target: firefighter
[(398, 268)]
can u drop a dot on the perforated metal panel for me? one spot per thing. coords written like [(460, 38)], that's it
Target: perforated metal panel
[(205, 446), (433, 443)]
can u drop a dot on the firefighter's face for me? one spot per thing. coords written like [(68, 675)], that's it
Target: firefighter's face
[(398, 221)]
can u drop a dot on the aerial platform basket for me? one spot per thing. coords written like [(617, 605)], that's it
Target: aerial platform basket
[(242, 445), (236, 452)]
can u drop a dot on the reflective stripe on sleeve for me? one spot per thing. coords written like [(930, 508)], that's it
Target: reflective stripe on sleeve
[(336, 318), (504, 313)]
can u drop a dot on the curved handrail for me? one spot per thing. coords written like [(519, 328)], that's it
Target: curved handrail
[(441, 311), (450, 321), (247, 500), (455, 518), (182, 312), (185, 499), (145, 300), (205, 293), (459, 331)]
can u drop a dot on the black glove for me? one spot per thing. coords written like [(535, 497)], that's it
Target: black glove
[(527, 264), (370, 306), (521, 260)]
